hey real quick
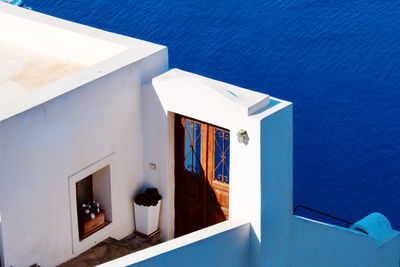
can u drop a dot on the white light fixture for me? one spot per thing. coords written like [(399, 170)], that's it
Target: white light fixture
[(242, 136)]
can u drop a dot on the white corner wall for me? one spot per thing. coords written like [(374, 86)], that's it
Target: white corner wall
[(276, 166), (42, 147)]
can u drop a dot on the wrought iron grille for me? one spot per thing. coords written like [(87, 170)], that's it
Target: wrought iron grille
[(192, 146), (221, 154)]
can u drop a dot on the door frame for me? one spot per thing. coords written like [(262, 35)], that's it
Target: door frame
[(206, 162)]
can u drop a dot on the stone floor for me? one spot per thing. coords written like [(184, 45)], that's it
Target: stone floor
[(111, 249)]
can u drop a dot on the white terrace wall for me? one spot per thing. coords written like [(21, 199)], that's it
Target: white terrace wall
[(223, 244), (228, 248), (42, 147), (318, 244)]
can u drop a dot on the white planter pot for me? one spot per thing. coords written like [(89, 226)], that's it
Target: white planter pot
[(146, 218)]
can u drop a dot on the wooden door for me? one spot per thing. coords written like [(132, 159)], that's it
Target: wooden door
[(201, 175)]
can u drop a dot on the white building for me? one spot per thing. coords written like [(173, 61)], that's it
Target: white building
[(78, 102)]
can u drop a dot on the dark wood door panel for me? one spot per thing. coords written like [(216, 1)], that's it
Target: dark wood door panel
[(192, 220), (193, 186), (194, 217)]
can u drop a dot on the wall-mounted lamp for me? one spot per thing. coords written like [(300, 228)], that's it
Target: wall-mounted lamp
[(242, 136)]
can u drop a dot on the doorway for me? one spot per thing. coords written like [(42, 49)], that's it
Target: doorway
[(201, 175)]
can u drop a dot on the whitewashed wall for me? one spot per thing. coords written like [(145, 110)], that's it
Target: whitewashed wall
[(43, 146)]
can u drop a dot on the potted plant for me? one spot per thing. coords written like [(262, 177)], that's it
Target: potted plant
[(147, 211), (90, 216)]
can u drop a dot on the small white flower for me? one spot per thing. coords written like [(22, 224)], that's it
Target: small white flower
[(87, 211), (83, 205), (92, 215), (94, 202), (98, 210), (98, 205)]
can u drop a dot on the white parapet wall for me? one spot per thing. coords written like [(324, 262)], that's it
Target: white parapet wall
[(223, 244), (319, 244)]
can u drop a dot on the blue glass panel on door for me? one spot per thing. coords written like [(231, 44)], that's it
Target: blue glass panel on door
[(192, 146), (221, 155)]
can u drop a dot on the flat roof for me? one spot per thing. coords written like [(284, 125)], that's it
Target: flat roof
[(42, 57), (23, 70)]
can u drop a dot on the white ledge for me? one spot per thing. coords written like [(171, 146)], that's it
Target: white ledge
[(181, 84)]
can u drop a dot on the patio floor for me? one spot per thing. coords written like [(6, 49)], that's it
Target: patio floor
[(111, 249)]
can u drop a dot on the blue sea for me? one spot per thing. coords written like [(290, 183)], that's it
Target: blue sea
[(337, 61)]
